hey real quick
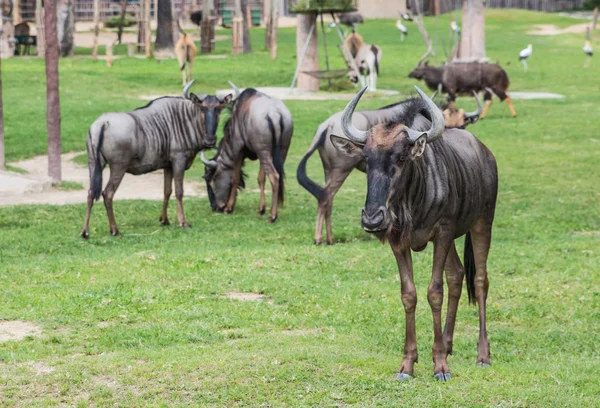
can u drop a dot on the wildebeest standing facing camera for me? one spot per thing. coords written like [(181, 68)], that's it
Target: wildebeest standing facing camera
[(260, 127), (428, 183), (166, 134)]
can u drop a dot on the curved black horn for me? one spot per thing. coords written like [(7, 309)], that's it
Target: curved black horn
[(235, 89), (186, 89), (437, 121), (208, 163), (350, 131), (475, 114)]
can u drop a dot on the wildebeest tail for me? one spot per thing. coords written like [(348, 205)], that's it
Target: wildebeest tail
[(316, 190), (277, 160), (374, 51), (469, 260), (96, 179)]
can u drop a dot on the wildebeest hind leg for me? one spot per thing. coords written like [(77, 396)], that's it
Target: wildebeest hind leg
[(455, 273), (235, 182), (86, 224), (116, 175), (261, 185), (274, 180), (481, 235), (164, 219), (333, 183)]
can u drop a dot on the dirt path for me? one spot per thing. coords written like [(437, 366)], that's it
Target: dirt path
[(144, 187), (551, 29)]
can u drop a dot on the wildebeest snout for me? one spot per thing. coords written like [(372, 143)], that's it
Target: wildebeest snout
[(374, 219)]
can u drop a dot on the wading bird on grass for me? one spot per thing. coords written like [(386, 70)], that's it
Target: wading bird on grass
[(455, 28), (402, 29), (524, 54), (587, 49)]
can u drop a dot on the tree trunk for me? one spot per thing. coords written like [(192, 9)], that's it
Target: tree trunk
[(164, 45), (472, 44), (311, 59), (65, 26), (16, 12), (52, 96), (268, 10), (206, 28), (147, 29), (7, 34), (274, 26), (39, 25), (122, 20), (96, 29), (2, 156), (246, 27)]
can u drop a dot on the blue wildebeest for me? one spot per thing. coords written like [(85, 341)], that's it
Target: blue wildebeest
[(259, 127), (165, 134), (338, 166), (466, 77), (427, 183)]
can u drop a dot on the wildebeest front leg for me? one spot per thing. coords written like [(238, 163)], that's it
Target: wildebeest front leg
[(116, 175), (178, 172), (435, 295), (455, 273), (235, 182), (333, 181), (409, 300), (261, 185), (164, 219), (481, 235)]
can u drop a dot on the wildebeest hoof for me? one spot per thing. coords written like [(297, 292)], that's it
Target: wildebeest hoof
[(85, 235), (329, 242), (442, 377), (483, 364), (318, 242), (185, 225), (228, 210), (261, 211), (272, 220), (164, 221), (115, 233), (402, 376)]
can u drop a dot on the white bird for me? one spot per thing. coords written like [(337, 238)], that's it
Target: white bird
[(524, 54), (332, 24), (402, 29), (587, 49), (406, 17), (455, 27)]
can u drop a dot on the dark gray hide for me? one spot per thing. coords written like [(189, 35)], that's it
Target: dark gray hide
[(260, 128), (165, 134)]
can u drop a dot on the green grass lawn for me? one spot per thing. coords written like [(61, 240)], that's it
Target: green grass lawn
[(142, 320)]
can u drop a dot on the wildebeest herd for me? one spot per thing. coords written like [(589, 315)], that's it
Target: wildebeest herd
[(428, 178)]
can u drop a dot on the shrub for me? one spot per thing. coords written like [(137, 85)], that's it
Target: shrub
[(114, 22)]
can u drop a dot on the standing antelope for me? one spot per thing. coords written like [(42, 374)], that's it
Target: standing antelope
[(367, 58), (166, 134), (259, 127), (186, 51)]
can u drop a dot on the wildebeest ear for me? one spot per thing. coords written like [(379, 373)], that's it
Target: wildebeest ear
[(197, 99), (419, 147), (227, 100), (345, 146)]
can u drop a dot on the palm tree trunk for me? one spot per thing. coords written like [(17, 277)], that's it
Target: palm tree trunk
[(52, 95)]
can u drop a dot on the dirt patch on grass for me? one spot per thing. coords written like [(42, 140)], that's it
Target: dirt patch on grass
[(587, 233), (551, 29), (246, 296), (17, 330)]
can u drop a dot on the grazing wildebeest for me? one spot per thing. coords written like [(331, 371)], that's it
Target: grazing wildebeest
[(259, 127), (427, 183), (337, 166), (367, 58), (166, 134), (466, 77), (186, 51)]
